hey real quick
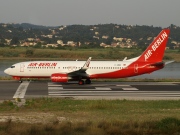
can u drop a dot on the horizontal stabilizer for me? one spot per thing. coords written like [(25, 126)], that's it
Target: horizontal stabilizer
[(168, 62), (158, 64), (161, 63)]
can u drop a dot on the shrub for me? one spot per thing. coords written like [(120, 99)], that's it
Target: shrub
[(29, 52), (169, 125)]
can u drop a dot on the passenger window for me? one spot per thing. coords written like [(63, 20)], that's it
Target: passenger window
[(12, 66)]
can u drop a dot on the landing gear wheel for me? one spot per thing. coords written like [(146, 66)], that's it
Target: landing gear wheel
[(88, 81), (81, 82), (20, 81)]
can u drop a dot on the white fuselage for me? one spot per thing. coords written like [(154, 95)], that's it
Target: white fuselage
[(47, 68)]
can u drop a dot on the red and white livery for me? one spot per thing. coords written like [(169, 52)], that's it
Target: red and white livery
[(63, 71)]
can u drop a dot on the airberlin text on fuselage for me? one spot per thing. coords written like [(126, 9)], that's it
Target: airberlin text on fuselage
[(156, 44), (42, 64)]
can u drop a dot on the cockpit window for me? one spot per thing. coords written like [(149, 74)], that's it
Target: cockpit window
[(12, 66)]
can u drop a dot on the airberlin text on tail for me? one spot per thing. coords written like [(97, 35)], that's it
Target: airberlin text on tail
[(156, 44), (155, 51), (159, 41)]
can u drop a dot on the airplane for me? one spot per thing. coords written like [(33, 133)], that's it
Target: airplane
[(63, 71)]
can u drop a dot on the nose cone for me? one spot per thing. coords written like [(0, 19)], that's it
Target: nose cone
[(6, 71)]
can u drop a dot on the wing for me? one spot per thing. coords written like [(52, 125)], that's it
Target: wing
[(81, 73)]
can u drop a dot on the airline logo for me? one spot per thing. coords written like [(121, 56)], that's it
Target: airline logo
[(58, 77), (155, 46), (45, 64)]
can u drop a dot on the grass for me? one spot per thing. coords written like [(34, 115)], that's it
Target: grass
[(90, 128), (80, 54), (6, 78), (94, 117)]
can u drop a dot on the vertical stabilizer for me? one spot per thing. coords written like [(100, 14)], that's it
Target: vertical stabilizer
[(155, 51)]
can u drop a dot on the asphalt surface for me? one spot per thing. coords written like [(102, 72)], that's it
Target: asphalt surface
[(97, 90)]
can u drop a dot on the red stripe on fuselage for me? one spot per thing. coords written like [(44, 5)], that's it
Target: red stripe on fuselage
[(129, 71)]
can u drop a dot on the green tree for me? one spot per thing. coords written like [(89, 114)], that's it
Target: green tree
[(15, 41), (142, 45), (2, 45), (38, 45)]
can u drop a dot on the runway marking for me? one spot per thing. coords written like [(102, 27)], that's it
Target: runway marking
[(58, 90), (127, 87), (55, 88), (119, 90), (130, 88), (54, 92), (115, 93), (152, 83), (102, 88), (166, 83), (122, 85), (54, 85), (21, 90), (50, 84)]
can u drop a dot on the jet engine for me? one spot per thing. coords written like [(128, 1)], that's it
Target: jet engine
[(57, 77)]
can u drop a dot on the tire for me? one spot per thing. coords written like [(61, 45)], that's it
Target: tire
[(88, 81), (81, 82)]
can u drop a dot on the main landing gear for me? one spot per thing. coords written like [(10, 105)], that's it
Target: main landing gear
[(20, 80), (88, 81), (81, 82)]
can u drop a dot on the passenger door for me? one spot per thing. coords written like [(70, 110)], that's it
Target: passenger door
[(22, 67)]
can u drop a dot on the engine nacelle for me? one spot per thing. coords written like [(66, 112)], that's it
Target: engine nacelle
[(59, 77)]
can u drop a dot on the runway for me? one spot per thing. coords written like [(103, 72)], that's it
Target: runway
[(97, 90)]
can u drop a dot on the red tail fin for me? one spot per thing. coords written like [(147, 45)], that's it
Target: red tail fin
[(155, 51)]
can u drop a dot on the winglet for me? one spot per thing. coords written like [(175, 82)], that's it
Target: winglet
[(86, 65)]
